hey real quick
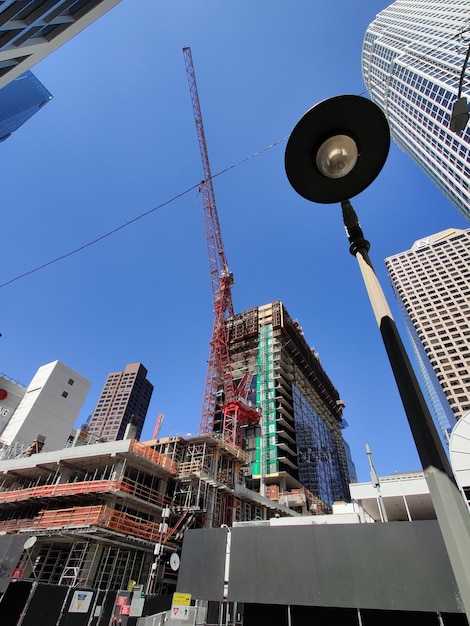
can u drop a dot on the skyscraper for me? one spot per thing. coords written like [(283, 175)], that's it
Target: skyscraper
[(33, 29), (432, 285), (299, 440), (19, 100), (124, 401), (412, 61)]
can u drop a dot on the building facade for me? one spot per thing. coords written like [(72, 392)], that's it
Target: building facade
[(431, 282), (11, 394), (413, 59), (298, 443), (123, 402), (48, 410), (19, 100), (31, 30)]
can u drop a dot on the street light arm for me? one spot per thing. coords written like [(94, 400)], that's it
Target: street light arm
[(462, 73), (353, 229), (359, 247)]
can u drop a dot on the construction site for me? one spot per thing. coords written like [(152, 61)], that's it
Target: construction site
[(108, 517)]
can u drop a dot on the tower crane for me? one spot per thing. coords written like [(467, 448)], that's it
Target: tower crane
[(236, 411), (158, 424)]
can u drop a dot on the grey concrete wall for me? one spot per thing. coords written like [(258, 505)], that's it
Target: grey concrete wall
[(395, 566)]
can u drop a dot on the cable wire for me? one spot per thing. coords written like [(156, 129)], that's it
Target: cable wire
[(137, 218)]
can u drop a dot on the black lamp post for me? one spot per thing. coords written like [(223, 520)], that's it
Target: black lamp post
[(334, 152)]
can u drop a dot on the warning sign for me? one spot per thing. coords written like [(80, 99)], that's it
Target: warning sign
[(179, 611), (180, 606), (182, 598)]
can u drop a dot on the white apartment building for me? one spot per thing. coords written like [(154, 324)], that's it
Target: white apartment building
[(48, 410)]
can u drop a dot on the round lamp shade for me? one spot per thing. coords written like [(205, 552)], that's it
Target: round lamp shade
[(337, 149)]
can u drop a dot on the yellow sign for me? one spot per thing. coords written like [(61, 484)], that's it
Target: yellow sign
[(182, 599)]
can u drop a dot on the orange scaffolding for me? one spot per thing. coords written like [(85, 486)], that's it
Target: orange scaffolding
[(152, 455), (96, 516), (125, 485)]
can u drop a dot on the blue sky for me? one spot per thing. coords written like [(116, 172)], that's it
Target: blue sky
[(118, 140)]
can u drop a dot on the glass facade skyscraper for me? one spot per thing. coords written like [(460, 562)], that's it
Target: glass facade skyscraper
[(432, 286), (20, 100), (412, 61)]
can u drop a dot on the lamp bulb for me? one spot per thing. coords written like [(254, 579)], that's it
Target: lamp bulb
[(337, 156)]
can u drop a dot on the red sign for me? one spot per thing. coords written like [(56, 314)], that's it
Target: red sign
[(121, 601), (17, 573), (3, 394), (125, 609)]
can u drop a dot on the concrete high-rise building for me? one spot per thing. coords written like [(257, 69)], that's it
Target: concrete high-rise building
[(432, 285), (31, 30), (47, 412), (299, 440), (123, 402), (413, 60), (19, 100)]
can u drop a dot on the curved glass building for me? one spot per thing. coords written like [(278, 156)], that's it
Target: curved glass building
[(413, 63)]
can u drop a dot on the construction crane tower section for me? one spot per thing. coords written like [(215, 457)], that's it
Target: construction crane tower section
[(236, 411)]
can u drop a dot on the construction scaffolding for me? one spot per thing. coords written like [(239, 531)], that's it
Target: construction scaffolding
[(96, 511), (209, 471), (107, 513)]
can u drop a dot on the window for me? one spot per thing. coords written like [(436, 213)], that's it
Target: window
[(71, 381), (65, 394)]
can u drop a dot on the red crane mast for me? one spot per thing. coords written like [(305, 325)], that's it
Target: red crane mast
[(236, 411)]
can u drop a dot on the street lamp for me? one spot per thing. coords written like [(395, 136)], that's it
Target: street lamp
[(335, 151)]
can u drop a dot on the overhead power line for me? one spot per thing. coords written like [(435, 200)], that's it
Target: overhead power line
[(136, 219)]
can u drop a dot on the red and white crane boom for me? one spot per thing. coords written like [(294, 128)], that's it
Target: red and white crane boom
[(236, 410)]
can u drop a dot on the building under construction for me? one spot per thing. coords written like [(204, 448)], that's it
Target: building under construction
[(105, 516), (298, 445)]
